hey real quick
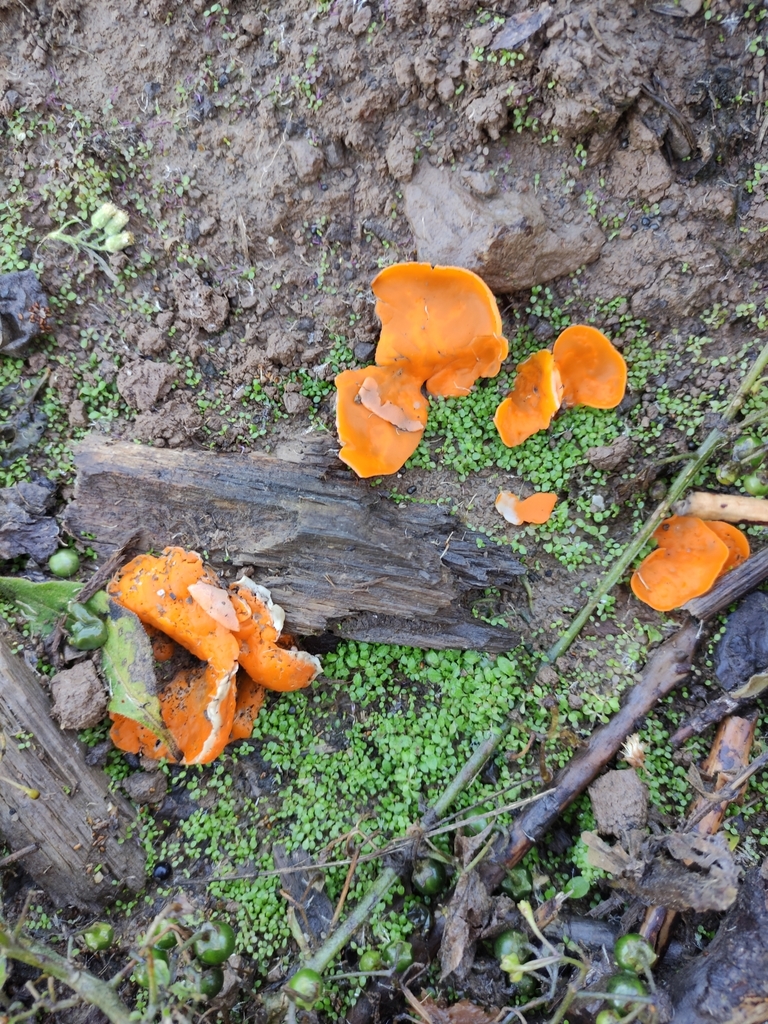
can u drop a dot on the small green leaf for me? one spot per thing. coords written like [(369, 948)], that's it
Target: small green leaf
[(41, 604), (130, 671), (3, 972), (577, 887)]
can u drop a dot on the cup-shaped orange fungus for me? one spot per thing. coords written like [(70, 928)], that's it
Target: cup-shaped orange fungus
[(592, 371), (262, 657), (533, 401), (536, 509), (198, 705), (734, 540), (371, 443), (443, 322), (208, 705), (686, 563)]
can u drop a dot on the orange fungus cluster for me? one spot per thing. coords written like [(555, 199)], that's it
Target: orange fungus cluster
[(691, 555), (236, 635), (583, 369), (440, 330)]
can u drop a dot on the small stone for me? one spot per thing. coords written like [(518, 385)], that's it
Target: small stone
[(150, 342), (364, 351), (611, 456), (79, 698), (446, 89), (547, 676), (208, 225), (146, 787), (143, 384), (308, 160), (360, 22), (281, 348), (77, 416), (191, 231), (400, 155), (334, 154), (295, 404), (252, 25)]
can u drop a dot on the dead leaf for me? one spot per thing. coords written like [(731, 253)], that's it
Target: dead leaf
[(683, 871), (462, 1012), (465, 918)]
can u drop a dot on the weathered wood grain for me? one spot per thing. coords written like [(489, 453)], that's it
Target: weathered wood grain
[(337, 555), (78, 827)]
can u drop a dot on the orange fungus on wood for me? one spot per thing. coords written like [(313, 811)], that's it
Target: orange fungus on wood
[(734, 540), (204, 707), (533, 401), (686, 563), (536, 509), (593, 372), (262, 657)]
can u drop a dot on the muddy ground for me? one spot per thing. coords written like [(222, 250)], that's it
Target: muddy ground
[(273, 158)]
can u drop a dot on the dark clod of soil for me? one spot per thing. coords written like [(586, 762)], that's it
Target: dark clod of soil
[(743, 649), (619, 801)]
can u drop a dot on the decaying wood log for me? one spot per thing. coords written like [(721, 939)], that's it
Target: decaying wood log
[(336, 554), (77, 827)]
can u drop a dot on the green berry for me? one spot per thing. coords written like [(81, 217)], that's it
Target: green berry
[(305, 988), (517, 883), (207, 983), (626, 985), (607, 1017), (428, 876), (215, 944), (634, 953), (511, 943), (99, 936), (728, 473), (756, 484), (749, 450), (370, 961), (64, 562), (398, 955), (162, 970)]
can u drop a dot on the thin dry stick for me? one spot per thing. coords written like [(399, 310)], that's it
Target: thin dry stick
[(345, 889)]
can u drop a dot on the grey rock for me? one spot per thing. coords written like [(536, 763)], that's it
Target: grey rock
[(191, 231), (208, 225), (507, 240), (23, 311), (79, 697), (360, 22), (446, 89), (146, 787), (281, 348), (364, 351), (143, 384), (611, 456), (295, 403), (308, 160)]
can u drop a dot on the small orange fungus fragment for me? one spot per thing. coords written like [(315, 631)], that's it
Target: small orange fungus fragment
[(265, 661), (443, 323), (371, 445), (215, 601), (686, 563), (250, 697), (734, 540), (593, 372), (533, 401), (536, 509)]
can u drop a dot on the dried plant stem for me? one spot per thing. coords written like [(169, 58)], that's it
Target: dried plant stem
[(677, 488), (91, 989)]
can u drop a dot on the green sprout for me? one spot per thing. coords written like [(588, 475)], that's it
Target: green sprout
[(110, 221)]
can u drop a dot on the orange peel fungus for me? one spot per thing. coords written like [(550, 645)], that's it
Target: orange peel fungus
[(441, 330), (536, 509), (206, 706), (533, 401), (592, 371), (688, 560)]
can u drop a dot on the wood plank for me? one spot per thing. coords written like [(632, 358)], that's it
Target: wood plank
[(83, 856), (332, 550)]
